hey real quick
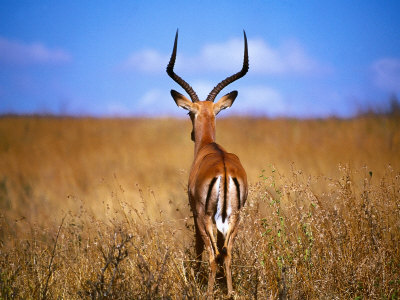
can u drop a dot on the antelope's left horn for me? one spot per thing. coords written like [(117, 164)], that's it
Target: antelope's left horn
[(175, 77)]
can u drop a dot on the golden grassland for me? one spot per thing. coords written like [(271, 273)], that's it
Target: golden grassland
[(97, 209)]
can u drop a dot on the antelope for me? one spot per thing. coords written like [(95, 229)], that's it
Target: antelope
[(217, 186)]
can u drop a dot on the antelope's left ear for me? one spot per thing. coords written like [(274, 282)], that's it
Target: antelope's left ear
[(225, 102), (182, 101)]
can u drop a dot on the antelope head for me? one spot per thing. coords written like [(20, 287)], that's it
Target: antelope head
[(202, 113)]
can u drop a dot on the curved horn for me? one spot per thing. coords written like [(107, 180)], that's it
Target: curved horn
[(176, 78), (229, 80)]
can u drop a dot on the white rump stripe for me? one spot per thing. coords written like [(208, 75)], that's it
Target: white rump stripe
[(223, 226)]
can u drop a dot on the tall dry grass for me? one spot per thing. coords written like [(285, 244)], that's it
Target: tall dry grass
[(97, 208)]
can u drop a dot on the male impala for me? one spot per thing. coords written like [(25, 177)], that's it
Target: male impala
[(217, 185)]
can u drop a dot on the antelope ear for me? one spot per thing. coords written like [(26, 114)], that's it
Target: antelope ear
[(182, 101), (225, 102)]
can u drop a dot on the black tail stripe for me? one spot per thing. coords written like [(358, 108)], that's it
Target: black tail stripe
[(237, 190), (210, 187), (223, 215)]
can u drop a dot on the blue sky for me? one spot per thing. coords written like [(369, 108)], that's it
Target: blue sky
[(108, 58)]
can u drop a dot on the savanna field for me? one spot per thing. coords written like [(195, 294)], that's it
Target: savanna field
[(97, 209)]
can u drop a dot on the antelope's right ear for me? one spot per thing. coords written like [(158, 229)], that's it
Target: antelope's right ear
[(225, 102), (182, 101)]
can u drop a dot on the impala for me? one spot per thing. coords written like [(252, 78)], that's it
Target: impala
[(217, 185)]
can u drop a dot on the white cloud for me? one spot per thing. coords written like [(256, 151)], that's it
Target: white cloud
[(289, 58), (202, 88), (148, 61), (17, 53), (259, 101), (386, 72), (156, 102), (151, 98)]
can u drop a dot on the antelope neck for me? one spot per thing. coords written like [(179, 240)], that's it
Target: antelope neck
[(204, 131)]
